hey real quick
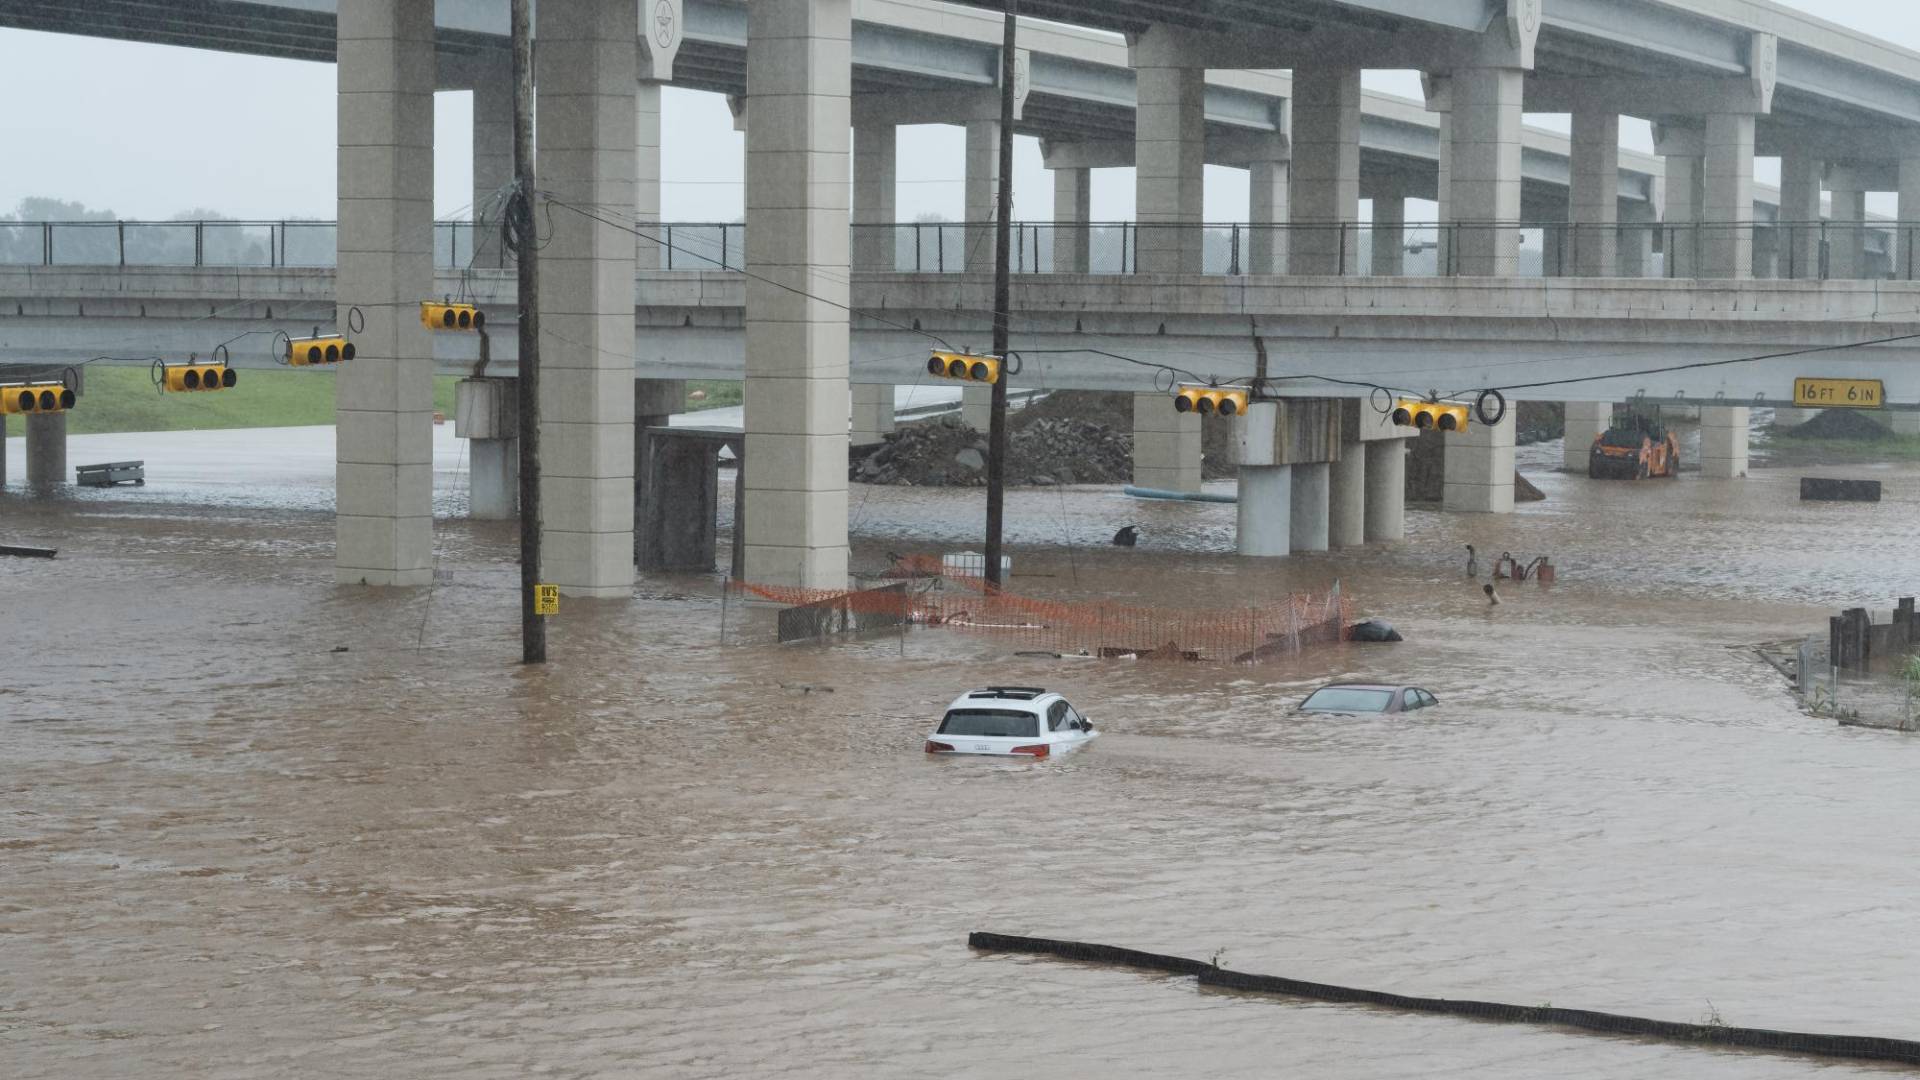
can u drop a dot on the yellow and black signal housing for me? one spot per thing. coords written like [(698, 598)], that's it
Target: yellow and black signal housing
[(1437, 415), (448, 316), (35, 397), (194, 375), (1210, 400), (319, 349), (965, 367)]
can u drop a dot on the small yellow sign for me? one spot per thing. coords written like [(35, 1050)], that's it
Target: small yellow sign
[(1838, 393), (546, 599)]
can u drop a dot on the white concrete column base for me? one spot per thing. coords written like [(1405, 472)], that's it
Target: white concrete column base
[(1478, 478), (1585, 420), (1723, 441), (1386, 491), (976, 407), (872, 413), (1309, 500), (1347, 499), (1264, 511), (493, 479), (1166, 445), (46, 449)]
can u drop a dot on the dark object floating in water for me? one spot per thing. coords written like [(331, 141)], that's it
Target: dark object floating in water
[(27, 552), (1127, 536), (1373, 630)]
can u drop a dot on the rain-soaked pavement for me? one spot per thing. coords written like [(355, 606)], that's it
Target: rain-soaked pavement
[(229, 851)]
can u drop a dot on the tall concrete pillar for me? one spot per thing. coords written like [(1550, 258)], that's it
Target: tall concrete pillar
[(976, 406), (1766, 251), (873, 197), (649, 253), (1638, 225), (1443, 198), (46, 449), (1847, 236), (1723, 441), (1072, 221), (1798, 250), (1169, 162), (1166, 445), (1386, 491), (1324, 194), (1307, 521), (1389, 234), (1593, 195), (1262, 518), (492, 154), (1478, 477), (493, 479), (1906, 266), (3, 451), (983, 186), (1268, 213), (1584, 421), (1726, 197), (1485, 171), (872, 413), (1683, 197), (799, 75), (383, 401), (1347, 497), (586, 91)]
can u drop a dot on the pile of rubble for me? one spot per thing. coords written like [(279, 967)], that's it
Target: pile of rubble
[(1042, 451)]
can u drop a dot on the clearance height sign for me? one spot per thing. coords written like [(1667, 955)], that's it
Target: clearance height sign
[(1838, 393)]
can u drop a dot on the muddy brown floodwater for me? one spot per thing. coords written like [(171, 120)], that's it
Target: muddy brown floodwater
[(227, 851)]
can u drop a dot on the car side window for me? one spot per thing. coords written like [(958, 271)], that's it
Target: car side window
[(1073, 718), (1057, 716), (1410, 700), (1428, 699)]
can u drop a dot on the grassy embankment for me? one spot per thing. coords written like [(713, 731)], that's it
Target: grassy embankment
[(123, 399), (1786, 448)]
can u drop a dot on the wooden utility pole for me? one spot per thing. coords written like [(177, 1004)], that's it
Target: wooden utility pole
[(521, 238), (1002, 300)]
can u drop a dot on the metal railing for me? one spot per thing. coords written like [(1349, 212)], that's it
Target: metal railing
[(1812, 249)]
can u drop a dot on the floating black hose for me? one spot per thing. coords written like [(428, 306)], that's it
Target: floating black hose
[(1865, 1047)]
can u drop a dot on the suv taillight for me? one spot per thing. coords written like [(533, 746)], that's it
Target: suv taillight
[(1038, 750), (938, 747)]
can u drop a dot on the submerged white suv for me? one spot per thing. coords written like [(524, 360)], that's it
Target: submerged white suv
[(1008, 720)]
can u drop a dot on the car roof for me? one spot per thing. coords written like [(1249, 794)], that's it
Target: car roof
[(1364, 686), (1025, 698)]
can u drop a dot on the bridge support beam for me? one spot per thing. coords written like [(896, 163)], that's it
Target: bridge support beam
[(46, 449), (1593, 195), (1386, 491), (1309, 503), (1389, 233), (1325, 191), (976, 406), (1681, 239), (485, 413), (1072, 220), (383, 401), (1478, 477), (1726, 197), (1723, 441), (1169, 163), (1798, 247), (1347, 496), (872, 413), (1166, 445), (1847, 235), (1262, 524), (1639, 223), (1906, 265), (799, 75), (492, 155), (1267, 211), (1584, 421), (874, 157), (1485, 170), (982, 181), (649, 253)]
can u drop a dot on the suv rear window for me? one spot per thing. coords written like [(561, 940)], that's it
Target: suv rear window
[(1000, 723)]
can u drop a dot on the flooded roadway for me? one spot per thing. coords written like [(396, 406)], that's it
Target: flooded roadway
[(226, 851)]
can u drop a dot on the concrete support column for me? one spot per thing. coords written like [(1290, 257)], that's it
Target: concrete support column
[(1267, 211), (1389, 234), (1262, 522), (1169, 162), (586, 73), (873, 197), (1638, 226), (46, 449), (1798, 250), (1681, 237), (1347, 499), (1443, 197), (1307, 527), (3, 451), (492, 154), (1766, 251), (383, 401), (1723, 441), (1166, 445), (1072, 221), (1324, 195), (493, 479), (1593, 196), (1485, 171), (1726, 197), (976, 406), (1386, 491), (1847, 236), (648, 253), (983, 186), (872, 413), (799, 78), (1584, 421), (1479, 468), (1906, 266)]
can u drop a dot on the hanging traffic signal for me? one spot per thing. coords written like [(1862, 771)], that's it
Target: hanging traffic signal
[(451, 316), (1211, 400), (35, 397), (1438, 415), (193, 376), (323, 349), (965, 367)]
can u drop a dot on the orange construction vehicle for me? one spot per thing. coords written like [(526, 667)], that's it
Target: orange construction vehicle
[(1634, 448)]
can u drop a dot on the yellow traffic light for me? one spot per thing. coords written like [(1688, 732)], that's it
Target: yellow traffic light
[(35, 397), (451, 316), (965, 367), (179, 378), (325, 349), (1211, 400), (1439, 415)]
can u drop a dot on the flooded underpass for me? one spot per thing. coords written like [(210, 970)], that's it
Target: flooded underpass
[(228, 850)]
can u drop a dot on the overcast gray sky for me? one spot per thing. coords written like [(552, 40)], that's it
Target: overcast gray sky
[(150, 130)]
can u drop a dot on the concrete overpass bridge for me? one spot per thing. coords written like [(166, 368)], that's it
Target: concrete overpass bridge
[(821, 85)]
